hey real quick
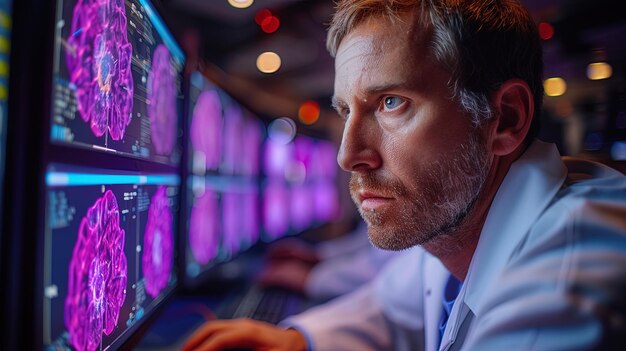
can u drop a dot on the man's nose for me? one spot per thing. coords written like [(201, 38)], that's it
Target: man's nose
[(359, 150)]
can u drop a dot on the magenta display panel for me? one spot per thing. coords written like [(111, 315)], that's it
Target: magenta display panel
[(109, 254), (162, 101), (301, 185), (223, 187), (206, 131), (277, 157), (158, 244), (226, 138), (224, 221), (276, 196), (97, 275), (204, 228), (302, 207), (117, 81)]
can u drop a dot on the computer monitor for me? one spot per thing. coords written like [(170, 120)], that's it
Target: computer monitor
[(116, 69), (112, 174), (109, 253), (299, 187), (223, 203)]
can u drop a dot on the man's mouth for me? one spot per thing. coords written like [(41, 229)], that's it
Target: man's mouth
[(372, 201)]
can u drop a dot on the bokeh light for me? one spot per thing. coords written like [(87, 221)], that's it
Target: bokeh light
[(599, 70), (268, 62), (546, 30), (282, 130), (270, 24), (309, 112), (241, 4), (261, 15), (555, 86)]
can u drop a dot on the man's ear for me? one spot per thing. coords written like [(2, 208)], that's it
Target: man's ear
[(513, 112)]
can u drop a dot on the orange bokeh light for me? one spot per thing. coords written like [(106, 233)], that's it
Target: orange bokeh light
[(309, 112)]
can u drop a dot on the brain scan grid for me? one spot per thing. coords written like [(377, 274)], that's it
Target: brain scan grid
[(117, 81), (110, 256)]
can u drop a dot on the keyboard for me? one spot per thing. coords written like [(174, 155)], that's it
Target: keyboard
[(270, 305)]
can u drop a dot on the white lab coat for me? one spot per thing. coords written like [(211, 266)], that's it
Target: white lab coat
[(549, 273)]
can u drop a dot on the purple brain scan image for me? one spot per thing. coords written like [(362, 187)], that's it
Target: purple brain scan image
[(325, 200), (231, 220), (276, 158), (324, 160), (206, 128), (303, 151), (204, 227), (97, 275), (252, 144), (98, 60), (276, 209), (162, 101), (301, 206), (158, 244), (250, 217), (233, 140)]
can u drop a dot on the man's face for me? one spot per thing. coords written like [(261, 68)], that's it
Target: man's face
[(417, 162)]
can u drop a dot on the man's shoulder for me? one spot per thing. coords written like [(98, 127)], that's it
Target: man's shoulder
[(588, 211), (588, 185), (587, 174)]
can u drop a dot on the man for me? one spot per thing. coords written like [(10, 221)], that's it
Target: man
[(439, 99)]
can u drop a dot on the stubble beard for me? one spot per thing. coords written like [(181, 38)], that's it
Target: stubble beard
[(433, 206)]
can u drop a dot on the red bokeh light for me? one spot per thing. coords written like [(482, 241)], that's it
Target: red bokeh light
[(261, 15), (309, 112), (270, 24), (546, 31)]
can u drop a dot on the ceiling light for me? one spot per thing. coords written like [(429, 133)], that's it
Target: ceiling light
[(309, 112), (268, 62), (546, 30), (270, 24), (240, 4), (261, 15), (554, 86), (599, 70)]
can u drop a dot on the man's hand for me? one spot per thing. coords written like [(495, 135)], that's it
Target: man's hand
[(291, 249), (244, 333), (290, 275)]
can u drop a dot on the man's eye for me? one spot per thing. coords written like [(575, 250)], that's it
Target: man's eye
[(392, 102)]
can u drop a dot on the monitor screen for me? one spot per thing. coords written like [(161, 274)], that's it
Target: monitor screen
[(110, 249), (223, 210), (299, 187), (117, 82)]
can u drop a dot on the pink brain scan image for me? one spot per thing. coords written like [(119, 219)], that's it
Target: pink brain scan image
[(162, 101), (231, 222), (251, 217), (252, 139), (301, 209), (206, 128), (158, 244), (97, 275), (276, 209), (233, 140), (204, 227), (99, 63)]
